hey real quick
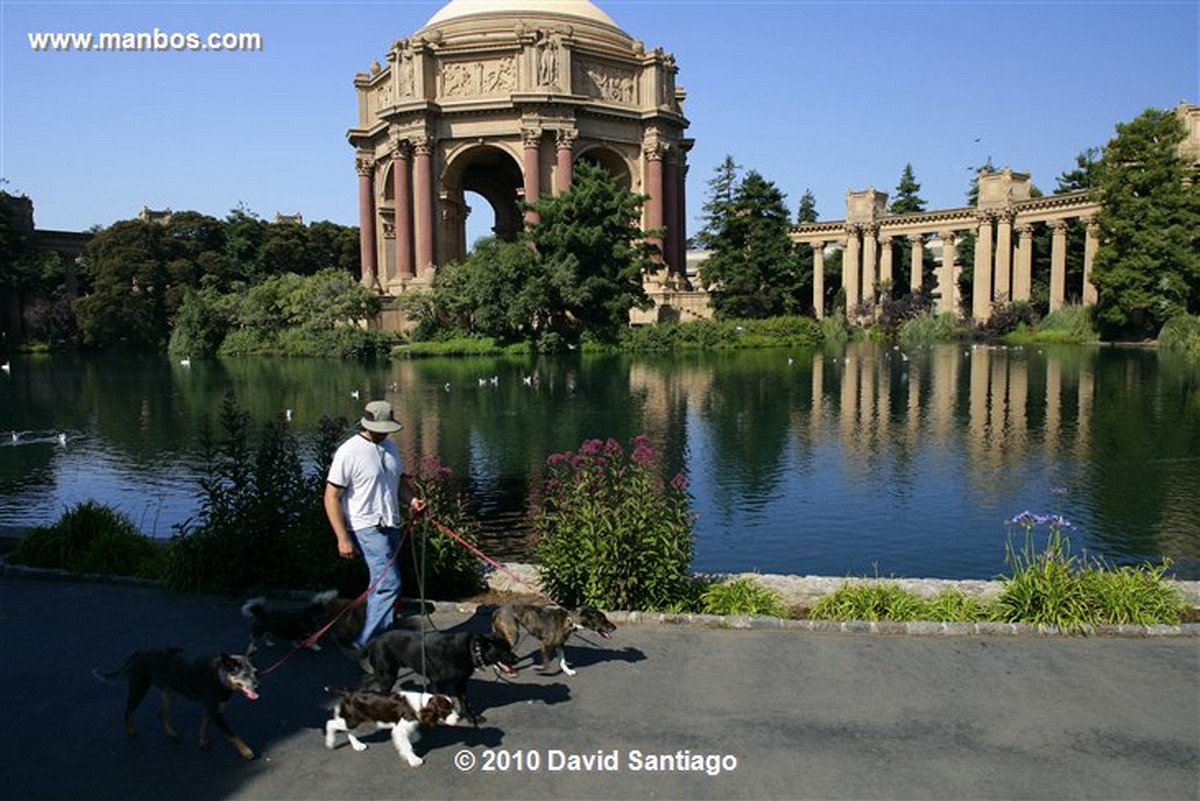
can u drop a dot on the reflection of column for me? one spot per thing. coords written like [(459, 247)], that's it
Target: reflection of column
[(946, 284), (564, 143), (945, 385), (977, 403), (1023, 271), (850, 272), (1090, 243), (885, 261), (818, 396), (818, 250), (1004, 257), (423, 201), (401, 159), (1058, 264), (1018, 400), (849, 402), (981, 291), (1053, 404), (532, 138), (868, 270), (916, 276), (1083, 424), (912, 417), (366, 220)]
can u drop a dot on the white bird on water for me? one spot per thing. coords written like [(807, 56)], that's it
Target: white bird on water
[(185, 362), (288, 414), (354, 394), (62, 438), (6, 367)]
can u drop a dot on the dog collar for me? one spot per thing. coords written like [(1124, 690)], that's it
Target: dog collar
[(477, 653)]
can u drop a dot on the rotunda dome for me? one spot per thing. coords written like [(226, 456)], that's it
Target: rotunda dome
[(456, 9)]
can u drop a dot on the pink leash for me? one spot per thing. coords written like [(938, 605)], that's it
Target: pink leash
[(449, 533)]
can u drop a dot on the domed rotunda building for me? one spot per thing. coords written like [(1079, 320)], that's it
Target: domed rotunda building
[(502, 98)]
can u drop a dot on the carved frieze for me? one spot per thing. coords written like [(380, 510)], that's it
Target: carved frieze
[(611, 83), (472, 78)]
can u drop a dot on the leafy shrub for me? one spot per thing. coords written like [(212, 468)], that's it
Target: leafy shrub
[(91, 538), (868, 600), (434, 564), (1181, 333), (742, 596), (927, 329), (1069, 324), (610, 532)]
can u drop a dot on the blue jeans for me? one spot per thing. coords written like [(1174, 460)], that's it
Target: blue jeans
[(378, 544)]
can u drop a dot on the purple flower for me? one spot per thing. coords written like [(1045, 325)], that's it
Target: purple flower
[(680, 482)]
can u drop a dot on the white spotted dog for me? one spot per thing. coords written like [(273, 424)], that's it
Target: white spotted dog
[(402, 712)]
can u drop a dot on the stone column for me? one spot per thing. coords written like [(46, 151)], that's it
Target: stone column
[(818, 251), (671, 216), (1058, 264), (366, 221), (654, 152), (401, 161), (850, 272), (1003, 288), (947, 288), (1091, 243), (681, 218), (981, 293), (868, 270), (916, 277), (423, 202), (564, 148), (532, 139), (885, 261), (1023, 270)]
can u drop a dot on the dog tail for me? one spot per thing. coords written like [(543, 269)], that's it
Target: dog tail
[(253, 607), (108, 676), (322, 598)]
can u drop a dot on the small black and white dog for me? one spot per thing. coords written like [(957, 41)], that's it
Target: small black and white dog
[(552, 625), (210, 681), (401, 712), (291, 625), (446, 660)]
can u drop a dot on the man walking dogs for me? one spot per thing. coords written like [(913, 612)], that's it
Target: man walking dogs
[(363, 495)]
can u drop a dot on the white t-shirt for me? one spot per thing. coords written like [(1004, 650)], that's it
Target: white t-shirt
[(369, 476)]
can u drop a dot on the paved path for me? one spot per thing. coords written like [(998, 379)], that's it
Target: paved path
[(771, 713)]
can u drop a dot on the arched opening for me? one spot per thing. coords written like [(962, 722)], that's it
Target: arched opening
[(486, 180)]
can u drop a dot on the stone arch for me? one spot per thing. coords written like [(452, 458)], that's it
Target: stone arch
[(492, 172), (612, 161)]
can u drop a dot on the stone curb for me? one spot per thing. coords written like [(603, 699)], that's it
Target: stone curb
[(884, 627)]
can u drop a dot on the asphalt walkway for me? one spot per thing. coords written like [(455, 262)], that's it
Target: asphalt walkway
[(659, 711)]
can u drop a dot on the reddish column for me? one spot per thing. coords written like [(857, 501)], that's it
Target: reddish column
[(401, 162), (671, 215), (565, 143), (654, 188), (366, 221), (533, 175), (423, 201)]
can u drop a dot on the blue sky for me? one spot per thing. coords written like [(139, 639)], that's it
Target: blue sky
[(824, 96)]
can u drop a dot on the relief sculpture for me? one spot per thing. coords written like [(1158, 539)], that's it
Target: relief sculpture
[(469, 78), (606, 82)]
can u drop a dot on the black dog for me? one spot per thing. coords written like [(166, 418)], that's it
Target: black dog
[(294, 625), (446, 660), (552, 625), (210, 681)]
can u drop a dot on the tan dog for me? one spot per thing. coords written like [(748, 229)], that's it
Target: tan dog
[(552, 625)]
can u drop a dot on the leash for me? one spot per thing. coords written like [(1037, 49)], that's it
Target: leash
[(450, 533), (319, 633)]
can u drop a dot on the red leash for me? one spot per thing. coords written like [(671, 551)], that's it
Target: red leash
[(449, 533)]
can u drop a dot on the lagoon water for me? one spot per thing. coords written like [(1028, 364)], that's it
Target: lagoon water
[(859, 460)]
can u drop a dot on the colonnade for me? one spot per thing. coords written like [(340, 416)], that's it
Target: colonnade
[(1003, 263)]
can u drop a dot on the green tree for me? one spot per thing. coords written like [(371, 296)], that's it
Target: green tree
[(753, 271), (127, 304), (719, 206), (807, 213), (907, 200), (593, 255), (1147, 268), (500, 291)]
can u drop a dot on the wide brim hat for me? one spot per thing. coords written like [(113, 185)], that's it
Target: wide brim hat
[(378, 417)]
